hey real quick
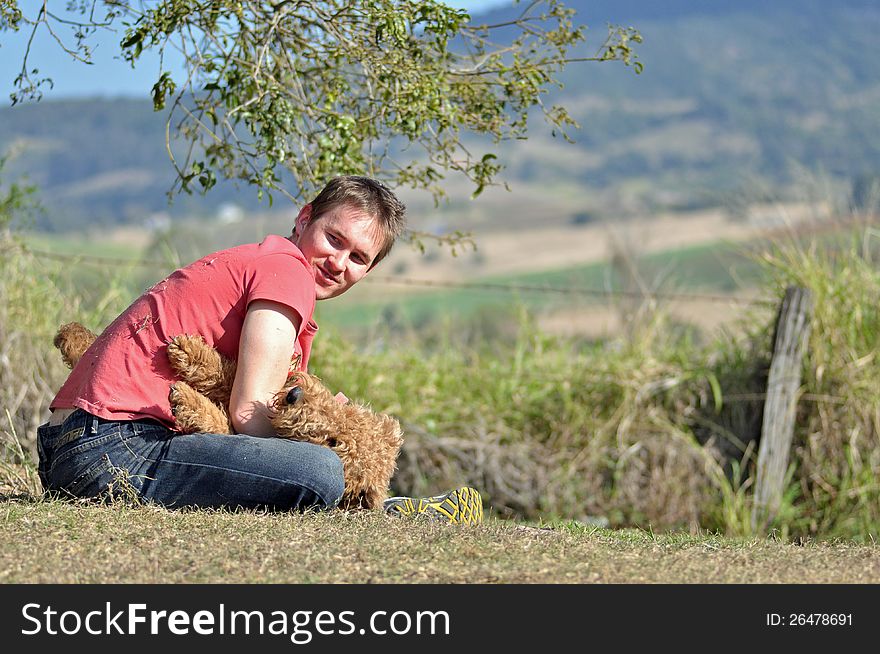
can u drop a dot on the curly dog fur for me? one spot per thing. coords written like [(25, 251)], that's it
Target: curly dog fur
[(368, 443)]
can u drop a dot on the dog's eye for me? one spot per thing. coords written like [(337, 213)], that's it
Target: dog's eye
[(294, 395)]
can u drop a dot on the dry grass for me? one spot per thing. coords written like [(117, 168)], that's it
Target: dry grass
[(30, 372), (36, 297), (66, 542), (837, 440)]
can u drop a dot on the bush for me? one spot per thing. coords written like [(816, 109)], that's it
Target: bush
[(551, 429)]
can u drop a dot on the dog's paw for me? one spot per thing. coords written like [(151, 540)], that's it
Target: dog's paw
[(177, 355)]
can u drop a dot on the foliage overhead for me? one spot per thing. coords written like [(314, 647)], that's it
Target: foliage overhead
[(389, 88)]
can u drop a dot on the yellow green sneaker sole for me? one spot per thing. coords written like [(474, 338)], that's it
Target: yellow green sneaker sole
[(462, 506)]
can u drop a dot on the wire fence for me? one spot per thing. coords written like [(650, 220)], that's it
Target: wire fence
[(496, 287)]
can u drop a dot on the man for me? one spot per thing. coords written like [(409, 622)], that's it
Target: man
[(112, 423)]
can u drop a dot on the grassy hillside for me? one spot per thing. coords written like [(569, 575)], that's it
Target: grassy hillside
[(732, 93)]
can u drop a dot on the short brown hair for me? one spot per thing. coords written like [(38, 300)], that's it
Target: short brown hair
[(370, 196)]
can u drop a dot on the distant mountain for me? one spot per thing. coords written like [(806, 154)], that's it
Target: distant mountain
[(100, 162), (596, 12), (732, 92)]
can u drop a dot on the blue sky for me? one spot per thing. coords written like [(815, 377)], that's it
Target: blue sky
[(108, 76)]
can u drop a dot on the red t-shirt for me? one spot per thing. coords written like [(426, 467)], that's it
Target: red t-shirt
[(125, 374)]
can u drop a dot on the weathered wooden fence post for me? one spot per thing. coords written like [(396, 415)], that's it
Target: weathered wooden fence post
[(783, 383)]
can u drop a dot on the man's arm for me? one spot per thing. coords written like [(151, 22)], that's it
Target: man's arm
[(266, 347)]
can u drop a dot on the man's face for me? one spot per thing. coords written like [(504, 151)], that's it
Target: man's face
[(341, 246)]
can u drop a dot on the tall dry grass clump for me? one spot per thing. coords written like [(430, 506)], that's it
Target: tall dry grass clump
[(36, 296), (836, 481), (30, 369), (28, 304)]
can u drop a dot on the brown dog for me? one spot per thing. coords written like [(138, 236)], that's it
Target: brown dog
[(368, 443)]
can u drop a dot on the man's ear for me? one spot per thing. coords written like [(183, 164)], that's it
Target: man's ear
[(303, 218)]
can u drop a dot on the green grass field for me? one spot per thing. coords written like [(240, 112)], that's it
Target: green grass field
[(718, 268)]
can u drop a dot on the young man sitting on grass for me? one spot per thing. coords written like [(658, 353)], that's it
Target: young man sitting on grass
[(253, 303)]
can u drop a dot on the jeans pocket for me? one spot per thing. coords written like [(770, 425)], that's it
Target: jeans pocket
[(74, 455), (78, 438), (89, 482), (90, 456)]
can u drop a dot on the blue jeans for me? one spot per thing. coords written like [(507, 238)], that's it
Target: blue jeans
[(87, 456)]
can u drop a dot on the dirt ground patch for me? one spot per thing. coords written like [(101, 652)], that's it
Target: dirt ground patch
[(554, 243), (599, 320)]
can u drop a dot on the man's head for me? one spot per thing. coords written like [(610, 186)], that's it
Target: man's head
[(346, 230)]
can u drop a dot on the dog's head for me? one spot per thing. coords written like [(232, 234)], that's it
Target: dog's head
[(304, 407), (367, 443)]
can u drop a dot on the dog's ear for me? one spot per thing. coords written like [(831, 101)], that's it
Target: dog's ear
[(294, 395)]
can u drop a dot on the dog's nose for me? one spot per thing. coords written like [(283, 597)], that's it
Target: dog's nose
[(294, 395)]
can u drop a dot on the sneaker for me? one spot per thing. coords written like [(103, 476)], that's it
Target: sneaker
[(462, 506)]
